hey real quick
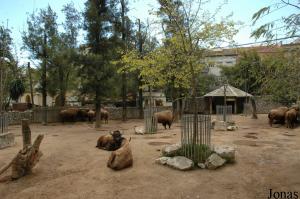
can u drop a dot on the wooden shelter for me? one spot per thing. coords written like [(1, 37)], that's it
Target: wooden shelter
[(234, 97)]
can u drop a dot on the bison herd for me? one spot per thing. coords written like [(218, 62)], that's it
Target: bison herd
[(79, 114), (284, 115)]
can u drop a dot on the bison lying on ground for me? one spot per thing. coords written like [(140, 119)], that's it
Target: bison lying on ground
[(165, 117), (277, 115), (110, 142), (121, 158), (291, 117)]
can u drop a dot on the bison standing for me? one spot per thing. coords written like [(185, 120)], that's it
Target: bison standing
[(104, 115), (165, 117), (69, 114), (277, 115), (291, 117)]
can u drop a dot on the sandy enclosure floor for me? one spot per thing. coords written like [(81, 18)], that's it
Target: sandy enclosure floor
[(71, 167)]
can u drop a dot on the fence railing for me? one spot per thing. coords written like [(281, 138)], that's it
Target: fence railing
[(4, 122), (224, 113), (196, 136), (150, 120)]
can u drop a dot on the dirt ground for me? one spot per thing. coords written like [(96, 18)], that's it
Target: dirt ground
[(71, 167)]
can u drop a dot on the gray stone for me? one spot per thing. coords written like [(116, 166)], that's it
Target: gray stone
[(201, 165), (213, 122), (220, 126), (177, 162), (171, 150), (139, 130), (226, 152), (162, 160), (6, 140), (232, 128), (214, 161), (180, 163)]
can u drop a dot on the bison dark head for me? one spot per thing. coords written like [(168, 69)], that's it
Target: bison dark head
[(117, 137)]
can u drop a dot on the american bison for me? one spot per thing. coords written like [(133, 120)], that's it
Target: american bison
[(69, 114), (291, 117), (91, 115), (110, 142), (165, 117), (104, 115), (278, 115), (121, 158)]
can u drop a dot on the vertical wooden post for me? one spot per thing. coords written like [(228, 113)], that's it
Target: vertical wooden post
[(26, 133)]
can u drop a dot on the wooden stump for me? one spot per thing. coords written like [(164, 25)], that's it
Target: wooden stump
[(25, 160), (26, 133)]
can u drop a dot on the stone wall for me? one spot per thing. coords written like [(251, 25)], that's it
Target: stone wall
[(263, 105), (36, 115)]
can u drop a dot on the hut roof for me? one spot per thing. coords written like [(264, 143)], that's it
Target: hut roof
[(230, 92)]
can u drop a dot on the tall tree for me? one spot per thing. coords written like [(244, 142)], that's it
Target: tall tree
[(96, 67), (41, 40)]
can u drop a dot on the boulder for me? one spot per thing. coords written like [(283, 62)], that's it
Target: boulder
[(201, 165), (232, 128), (162, 160), (139, 130), (171, 150), (213, 122), (225, 152), (177, 162), (220, 126), (214, 161), (180, 163)]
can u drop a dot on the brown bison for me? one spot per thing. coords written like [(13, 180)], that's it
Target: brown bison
[(110, 142), (91, 115), (104, 115), (121, 158), (291, 117), (69, 114), (165, 117), (278, 115)]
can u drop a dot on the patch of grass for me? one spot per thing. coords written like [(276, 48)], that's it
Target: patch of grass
[(196, 152)]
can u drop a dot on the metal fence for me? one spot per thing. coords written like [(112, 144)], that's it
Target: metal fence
[(224, 113), (196, 136), (150, 120), (4, 123)]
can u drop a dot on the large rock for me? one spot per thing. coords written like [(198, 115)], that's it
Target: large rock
[(6, 140), (181, 163), (162, 160), (139, 130), (220, 126), (177, 162), (232, 128), (214, 161), (226, 152), (171, 150)]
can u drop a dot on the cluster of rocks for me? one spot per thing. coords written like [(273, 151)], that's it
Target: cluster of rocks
[(220, 156), (223, 126)]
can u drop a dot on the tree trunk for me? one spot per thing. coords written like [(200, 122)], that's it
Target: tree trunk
[(254, 111), (124, 83), (98, 111), (44, 83), (61, 87), (31, 88), (26, 133)]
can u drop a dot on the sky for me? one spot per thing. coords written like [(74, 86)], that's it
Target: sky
[(14, 14)]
